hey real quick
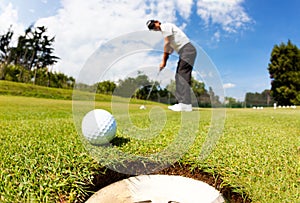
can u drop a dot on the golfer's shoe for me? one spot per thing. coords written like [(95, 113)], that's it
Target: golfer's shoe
[(181, 107)]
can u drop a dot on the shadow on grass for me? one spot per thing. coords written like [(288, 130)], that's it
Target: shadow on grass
[(119, 141)]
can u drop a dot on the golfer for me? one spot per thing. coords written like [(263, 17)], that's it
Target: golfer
[(175, 39)]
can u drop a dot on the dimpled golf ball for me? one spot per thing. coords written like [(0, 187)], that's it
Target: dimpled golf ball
[(99, 127)]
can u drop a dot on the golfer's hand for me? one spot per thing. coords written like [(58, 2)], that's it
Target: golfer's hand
[(162, 65)]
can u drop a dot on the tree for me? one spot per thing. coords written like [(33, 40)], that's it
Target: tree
[(215, 100), (134, 87), (284, 69), (140, 86), (198, 89), (106, 87), (34, 50), (233, 103), (5, 51), (143, 91), (30, 59), (127, 87), (259, 99), (201, 93)]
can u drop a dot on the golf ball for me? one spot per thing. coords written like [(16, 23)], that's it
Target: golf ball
[(142, 107), (99, 127)]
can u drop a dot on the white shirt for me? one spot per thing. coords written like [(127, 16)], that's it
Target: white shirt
[(177, 38)]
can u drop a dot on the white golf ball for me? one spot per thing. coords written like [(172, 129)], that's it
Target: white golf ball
[(142, 107), (99, 127)]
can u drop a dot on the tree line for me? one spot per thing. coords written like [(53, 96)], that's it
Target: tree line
[(139, 87), (263, 99)]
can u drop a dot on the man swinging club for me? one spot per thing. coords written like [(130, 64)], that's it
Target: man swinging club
[(175, 39)]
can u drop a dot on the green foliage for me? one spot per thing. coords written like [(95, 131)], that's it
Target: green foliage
[(106, 87), (259, 99), (284, 69), (215, 100), (17, 74), (34, 49), (41, 77), (28, 61), (201, 93), (5, 48), (233, 103), (129, 86), (140, 86), (198, 89)]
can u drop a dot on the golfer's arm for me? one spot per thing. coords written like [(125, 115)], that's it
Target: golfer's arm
[(165, 57), (167, 49)]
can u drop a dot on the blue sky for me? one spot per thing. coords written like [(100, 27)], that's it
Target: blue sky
[(238, 35)]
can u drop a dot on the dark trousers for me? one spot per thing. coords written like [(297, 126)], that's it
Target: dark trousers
[(187, 56)]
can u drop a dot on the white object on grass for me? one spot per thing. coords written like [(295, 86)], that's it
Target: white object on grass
[(142, 107), (99, 127)]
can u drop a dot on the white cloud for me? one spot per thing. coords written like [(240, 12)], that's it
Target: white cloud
[(9, 17), (229, 14), (228, 85), (184, 7), (81, 26)]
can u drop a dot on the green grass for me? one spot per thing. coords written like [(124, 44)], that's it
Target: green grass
[(43, 159), (259, 154), (30, 90)]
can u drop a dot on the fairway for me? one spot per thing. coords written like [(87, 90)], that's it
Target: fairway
[(43, 159)]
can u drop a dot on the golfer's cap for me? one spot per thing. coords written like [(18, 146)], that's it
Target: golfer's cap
[(150, 24)]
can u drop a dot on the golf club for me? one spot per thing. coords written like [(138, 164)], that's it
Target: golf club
[(143, 106)]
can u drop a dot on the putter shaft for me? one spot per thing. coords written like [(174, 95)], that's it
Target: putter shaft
[(151, 88)]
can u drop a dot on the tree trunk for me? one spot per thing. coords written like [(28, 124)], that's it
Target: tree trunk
[(34, 78)]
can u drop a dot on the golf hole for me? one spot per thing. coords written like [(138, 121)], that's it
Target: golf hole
[(158, 189), (107, 178)]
